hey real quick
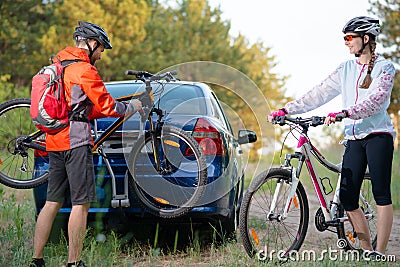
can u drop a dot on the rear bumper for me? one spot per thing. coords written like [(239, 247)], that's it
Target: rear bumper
[(220, 207)]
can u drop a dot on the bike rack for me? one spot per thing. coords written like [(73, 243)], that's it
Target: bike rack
[(118, 200)]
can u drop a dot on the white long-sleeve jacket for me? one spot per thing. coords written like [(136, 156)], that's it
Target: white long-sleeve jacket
[(367, 108)]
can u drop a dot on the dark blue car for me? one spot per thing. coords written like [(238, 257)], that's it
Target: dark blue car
[(192, 107)]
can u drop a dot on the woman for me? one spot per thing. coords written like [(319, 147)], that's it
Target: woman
[(365, 84)]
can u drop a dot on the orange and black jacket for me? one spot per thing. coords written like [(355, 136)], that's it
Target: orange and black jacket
[(88, 98)]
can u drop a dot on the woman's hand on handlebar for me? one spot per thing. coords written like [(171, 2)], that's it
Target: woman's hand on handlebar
[(274, 114), (334, 117)]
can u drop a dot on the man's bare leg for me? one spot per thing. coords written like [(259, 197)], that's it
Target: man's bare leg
[(43, 227), (76, 231)]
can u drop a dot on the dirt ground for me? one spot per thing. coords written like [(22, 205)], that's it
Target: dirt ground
[(323, 240)]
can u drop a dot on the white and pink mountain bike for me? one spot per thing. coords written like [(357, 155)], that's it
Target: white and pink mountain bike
[(274, 213)]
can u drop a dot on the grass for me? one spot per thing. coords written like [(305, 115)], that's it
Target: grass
[(17, 220), (395, 185), (16, 247)]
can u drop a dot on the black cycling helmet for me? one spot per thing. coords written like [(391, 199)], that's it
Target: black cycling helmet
[(88, 30), (362, 25)]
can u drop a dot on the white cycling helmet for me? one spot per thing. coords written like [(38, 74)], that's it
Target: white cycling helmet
[(363, 25)]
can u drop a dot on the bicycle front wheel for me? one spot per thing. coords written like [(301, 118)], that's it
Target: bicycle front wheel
[(16, 159), (264, 231), (368, 206), (171, 185)]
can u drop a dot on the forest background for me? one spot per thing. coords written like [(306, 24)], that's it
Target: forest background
[(153, 35)]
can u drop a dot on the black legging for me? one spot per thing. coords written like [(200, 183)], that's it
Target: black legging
[(376, 151)]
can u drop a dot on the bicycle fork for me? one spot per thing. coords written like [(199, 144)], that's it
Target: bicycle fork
[(291, 198)]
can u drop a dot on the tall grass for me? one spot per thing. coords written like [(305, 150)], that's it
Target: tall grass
[(17, 220), (16, 231), (395, 185)]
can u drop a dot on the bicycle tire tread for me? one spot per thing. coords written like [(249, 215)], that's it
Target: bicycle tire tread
[(202, 179), (256, 183)]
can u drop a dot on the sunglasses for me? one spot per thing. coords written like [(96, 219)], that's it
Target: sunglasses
[(349, 38)]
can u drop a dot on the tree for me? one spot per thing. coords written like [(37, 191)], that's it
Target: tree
[(388, 12), (21, 25), (32, 30), (123, 21), (148, 35), (192, 30)]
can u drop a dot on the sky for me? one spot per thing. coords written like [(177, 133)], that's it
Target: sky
[(305, 36)]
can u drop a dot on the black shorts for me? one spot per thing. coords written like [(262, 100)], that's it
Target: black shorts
[(376, 152), (72, 172)]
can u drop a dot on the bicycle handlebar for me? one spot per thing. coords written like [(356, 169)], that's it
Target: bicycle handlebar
[(311, 121), (147, 98), (340, 116), (147, 76), (138, 73)]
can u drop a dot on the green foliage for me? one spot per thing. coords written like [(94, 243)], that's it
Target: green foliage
[(21, 26), (388, 12), (9, 90), (16, 228), (123, 21), (191, 31), (147, 35), (16, 234), (395, 184)]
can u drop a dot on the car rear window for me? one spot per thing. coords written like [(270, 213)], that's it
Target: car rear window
[(123, 89), (182, 99), (175, 98)]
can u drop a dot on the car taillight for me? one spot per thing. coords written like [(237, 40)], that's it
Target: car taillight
[(208, 137), (40, 153)]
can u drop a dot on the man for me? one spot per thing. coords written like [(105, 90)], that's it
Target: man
[(70, 156)]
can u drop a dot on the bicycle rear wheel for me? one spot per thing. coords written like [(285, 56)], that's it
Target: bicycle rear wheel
[(16, 159), (173, 188), (263, 230), (368, 206)]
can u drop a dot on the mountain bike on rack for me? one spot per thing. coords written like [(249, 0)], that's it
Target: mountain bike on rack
[(274, 213), (160, 154)]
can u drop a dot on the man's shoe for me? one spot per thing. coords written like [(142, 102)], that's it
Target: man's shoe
[(37, 263), (77, 264)]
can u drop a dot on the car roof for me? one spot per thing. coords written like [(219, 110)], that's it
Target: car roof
[(139, 83)]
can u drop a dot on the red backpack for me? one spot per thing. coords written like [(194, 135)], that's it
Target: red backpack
[(49, 108)]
